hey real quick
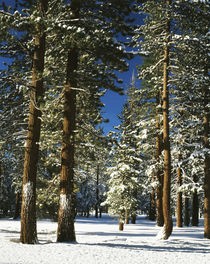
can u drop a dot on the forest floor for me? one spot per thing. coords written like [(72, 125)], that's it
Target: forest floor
[(100, 242)]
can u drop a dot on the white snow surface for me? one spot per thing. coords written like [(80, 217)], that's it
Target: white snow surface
[(100, 242)]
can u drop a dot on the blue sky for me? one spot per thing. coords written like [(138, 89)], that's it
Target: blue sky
[(114, 102)]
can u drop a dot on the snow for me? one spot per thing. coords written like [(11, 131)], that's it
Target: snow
[(64, 202), (28, 193), (99, 241)]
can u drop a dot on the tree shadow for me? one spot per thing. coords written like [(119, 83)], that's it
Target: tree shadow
[(172, 246)]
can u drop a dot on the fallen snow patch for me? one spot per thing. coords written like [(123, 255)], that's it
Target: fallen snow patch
[(99, 241)]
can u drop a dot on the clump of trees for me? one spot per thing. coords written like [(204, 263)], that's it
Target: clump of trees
[(60, 57)]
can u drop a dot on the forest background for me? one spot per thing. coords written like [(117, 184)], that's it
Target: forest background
[(61, 57)]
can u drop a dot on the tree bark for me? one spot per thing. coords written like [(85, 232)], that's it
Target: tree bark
[(159, 191), (179, 197), (206, 165), (206, 180), (121, 225), (66, 212), (28, 210), (168, 224)]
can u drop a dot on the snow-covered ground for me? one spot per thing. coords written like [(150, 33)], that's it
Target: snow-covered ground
[(100, 242)]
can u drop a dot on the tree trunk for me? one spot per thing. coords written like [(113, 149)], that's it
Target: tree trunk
[(186, 212), (121, 225), (206, 166), (179, 197), (159, 191), (133, 219), (66, 232), (28, 210), (195, 209), (127, 219), (66, 211), (152, 206), (17, 205), (168, 224)]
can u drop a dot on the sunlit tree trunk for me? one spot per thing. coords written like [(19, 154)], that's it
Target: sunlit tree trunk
[(168, 224), (159, 191), (66, 212), (206, 168), (28, 233)]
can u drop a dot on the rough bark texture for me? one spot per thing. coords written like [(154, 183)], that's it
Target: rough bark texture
[(179, 197), (159, 191), (206, 168), (168, 224), (28, 210), (66, 212)]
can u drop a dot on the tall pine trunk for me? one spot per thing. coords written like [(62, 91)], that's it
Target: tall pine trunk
[(206, 168), (28, 233), (179, 197), (168, 224), (66, 212), (159, 191)]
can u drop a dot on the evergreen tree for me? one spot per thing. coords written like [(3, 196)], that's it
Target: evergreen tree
[(28, 209)]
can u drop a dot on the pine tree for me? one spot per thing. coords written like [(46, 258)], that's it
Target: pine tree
[(194, 42), (28, 209), (125, 173), (66, 207), (88, 48), (168, 224), (156, 36)]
